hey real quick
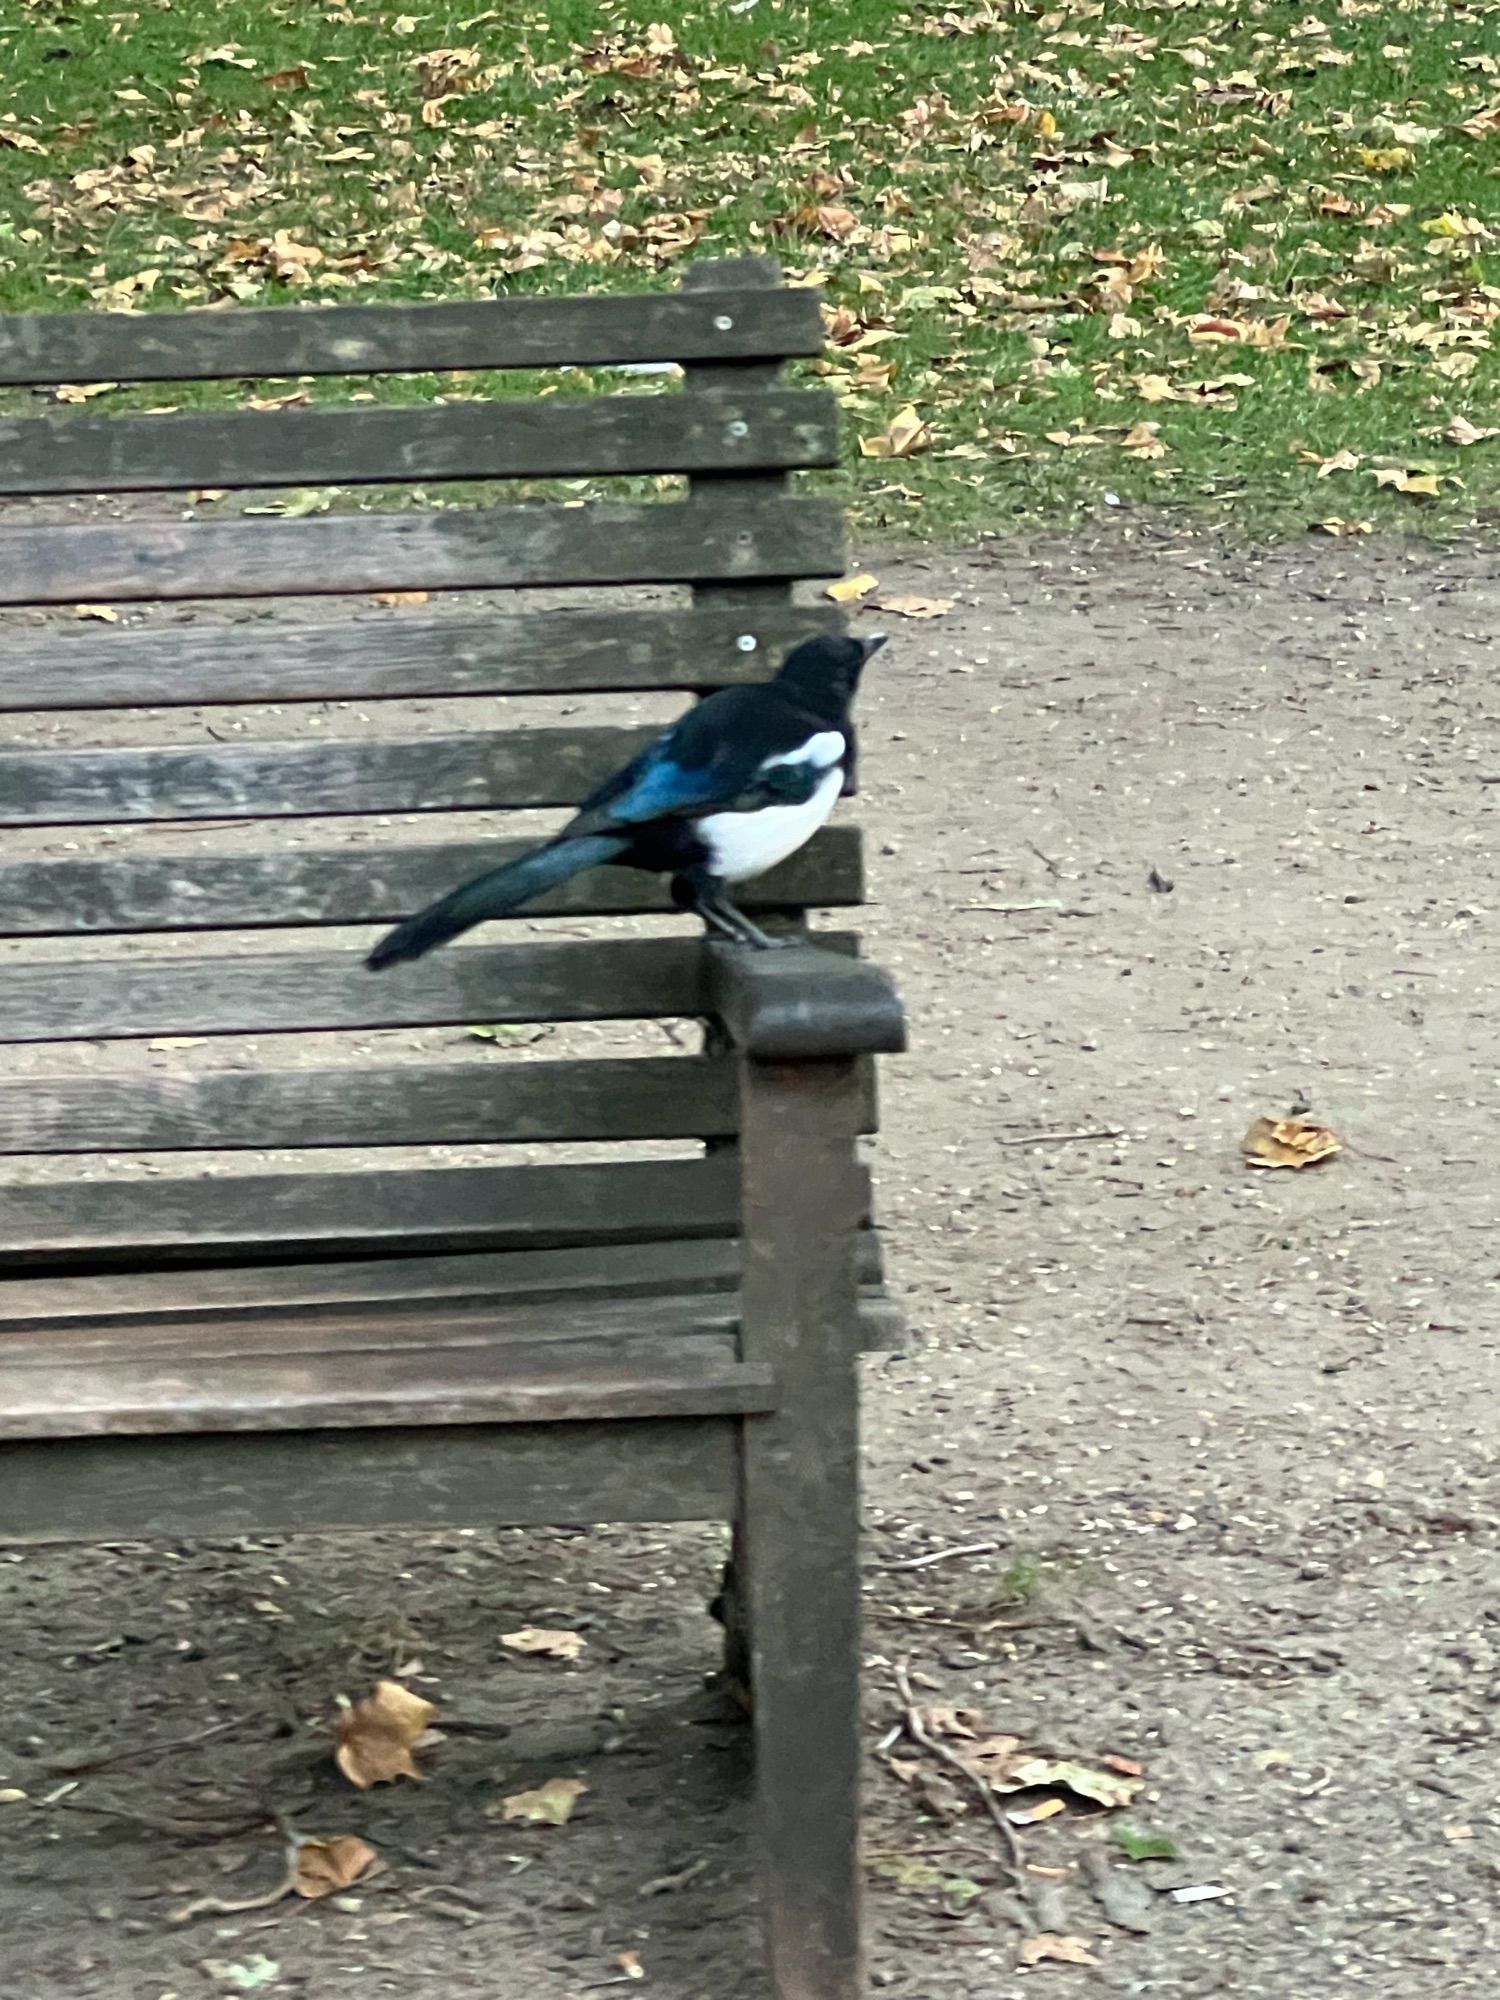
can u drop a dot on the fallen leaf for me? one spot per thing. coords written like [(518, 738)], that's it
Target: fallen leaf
[(1341, 461), (1461, 431), (1142, 1845), (326, 1866), (849, 589), (1051, 1945), (911, 1872), (1288, 1142), (161, 1043), (376, 1736), (904, 436), (1401, 481), (1043, 1773), (1044, 1809), (918, 607), (941, 1720), (82, 392), (396, 598), (551, 1645), (105, 612), (1335, 526), (1142, 441), (1126, 1766), (549, 1805)]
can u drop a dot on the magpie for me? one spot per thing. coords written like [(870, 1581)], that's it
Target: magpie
[(733, 787)]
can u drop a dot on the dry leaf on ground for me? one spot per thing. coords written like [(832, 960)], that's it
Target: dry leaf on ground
[(324, 1867), (849, 589), (917, 607), (1288, 1142), (549, 1805), (1050, 1945), (376, 1737), (1462, 431), (396, 598), (903, 437), (550, 1645)]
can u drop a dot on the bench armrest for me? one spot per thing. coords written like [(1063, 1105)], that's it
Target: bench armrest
[(803, 1004)]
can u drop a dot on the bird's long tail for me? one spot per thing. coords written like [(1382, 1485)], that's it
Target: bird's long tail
[(493, 895)]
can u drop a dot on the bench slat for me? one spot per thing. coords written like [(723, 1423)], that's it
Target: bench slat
[(769, 322), (392, 1212), (658, 1097), (568, 980), (599, 437), (361, 885), (416, 1475), (535, 767), (415, 653), (628, 1372), (462, 548), (241, 1298)]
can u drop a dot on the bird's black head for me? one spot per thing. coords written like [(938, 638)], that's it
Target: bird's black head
[(823, 673)]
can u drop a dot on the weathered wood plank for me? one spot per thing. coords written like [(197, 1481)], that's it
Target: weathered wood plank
[(635, 1375), (416, 653), (461, 549), (797, 1535), (534, 767), (524, 1476), (404, 1289), (475, 1103), (585, 437), (360, 885), (235, 1218), (587, 332), (794, 1006), (571, 980)]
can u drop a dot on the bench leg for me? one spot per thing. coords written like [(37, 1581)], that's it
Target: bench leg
[(797, 1535)]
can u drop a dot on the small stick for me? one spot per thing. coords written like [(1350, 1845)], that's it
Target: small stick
[(73, 1767), (917, 1730), (1062, 1138), (942, 1556), (1049, 905)]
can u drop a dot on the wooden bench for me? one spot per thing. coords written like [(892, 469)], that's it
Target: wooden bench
[(416, 1331)]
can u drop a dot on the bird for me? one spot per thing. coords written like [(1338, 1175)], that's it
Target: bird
[(731, 788)]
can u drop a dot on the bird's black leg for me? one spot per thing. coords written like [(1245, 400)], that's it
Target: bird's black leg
[(696, 890)]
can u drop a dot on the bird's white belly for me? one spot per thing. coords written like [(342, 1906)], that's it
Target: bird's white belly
[(744, 844)]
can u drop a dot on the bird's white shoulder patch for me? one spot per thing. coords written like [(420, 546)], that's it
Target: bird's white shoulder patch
[(822, 750), (742, 844)]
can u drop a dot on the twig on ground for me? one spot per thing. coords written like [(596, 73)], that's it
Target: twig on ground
[(942, 1555), (77, 1767), (1062, 1138), (917, 1730)]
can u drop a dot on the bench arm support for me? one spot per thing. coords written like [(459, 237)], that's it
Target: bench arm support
[(803, 1004)]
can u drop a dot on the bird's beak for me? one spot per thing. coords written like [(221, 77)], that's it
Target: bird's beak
[(872, 643)]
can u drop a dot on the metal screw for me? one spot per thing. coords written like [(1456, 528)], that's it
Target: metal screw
[(747, 642), (739, 428), (722, 322)]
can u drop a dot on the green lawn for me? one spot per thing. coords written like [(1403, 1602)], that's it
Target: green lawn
[(1195, 253)]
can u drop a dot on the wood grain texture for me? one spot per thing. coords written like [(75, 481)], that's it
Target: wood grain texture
[(40, 348), (555, 437), (268, 1483), (461, 549), (803, 1004), (407, 654), (534, 767), (78, 1225), (409, 1104), (574, 980), (361, 885)]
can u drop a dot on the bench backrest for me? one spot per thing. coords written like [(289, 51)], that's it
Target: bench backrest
[(177, 786)]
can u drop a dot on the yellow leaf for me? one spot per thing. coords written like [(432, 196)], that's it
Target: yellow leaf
[(394, 598), (106, 613), (1288, 1142), (1334, 526), (324, 1867), (849, 589), (1402, 481), (551, 1645), (1341, 461), (1142, 441), (377, 1735), (549, 1805), (1385, 159), (1155, 389)]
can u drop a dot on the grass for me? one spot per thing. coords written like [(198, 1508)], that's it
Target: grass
[(1239, 259)]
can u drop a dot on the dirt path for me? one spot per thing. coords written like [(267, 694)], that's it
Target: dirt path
[(1232, 1436)]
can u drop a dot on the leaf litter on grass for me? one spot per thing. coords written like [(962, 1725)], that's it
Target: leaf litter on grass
[(1029, 225)]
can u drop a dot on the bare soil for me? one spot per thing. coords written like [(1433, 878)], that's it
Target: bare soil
[(1164, 836)]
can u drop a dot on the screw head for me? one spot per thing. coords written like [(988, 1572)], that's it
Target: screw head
[(739, 428), (747, 642), (723, 322)]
